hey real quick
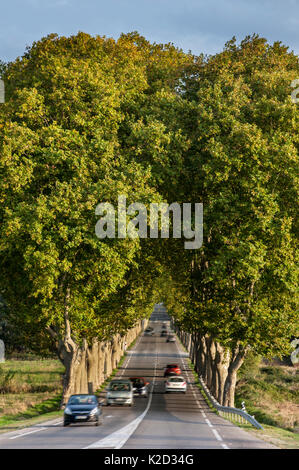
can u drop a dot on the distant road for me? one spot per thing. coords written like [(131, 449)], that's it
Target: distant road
[(162, 421)]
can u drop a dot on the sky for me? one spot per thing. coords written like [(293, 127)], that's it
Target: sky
[(202, 26)]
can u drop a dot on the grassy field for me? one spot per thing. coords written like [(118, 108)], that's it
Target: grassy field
[(271, 394), (29, 389)]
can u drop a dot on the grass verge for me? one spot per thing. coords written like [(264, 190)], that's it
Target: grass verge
[(271, 394), (30, 391)]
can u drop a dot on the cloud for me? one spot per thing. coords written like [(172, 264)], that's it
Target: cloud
[(198, 25)]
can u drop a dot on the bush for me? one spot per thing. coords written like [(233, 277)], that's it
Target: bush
[(250, 367), (6, 380)]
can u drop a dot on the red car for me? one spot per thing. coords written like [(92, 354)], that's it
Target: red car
[(172, 369)]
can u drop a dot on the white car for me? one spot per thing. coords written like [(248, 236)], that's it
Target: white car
[(175, 384)]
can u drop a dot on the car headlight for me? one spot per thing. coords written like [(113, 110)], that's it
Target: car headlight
[(68, 411), (93, 411)]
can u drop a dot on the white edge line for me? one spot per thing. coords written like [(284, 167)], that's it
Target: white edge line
[(215, 432), (26, 433)]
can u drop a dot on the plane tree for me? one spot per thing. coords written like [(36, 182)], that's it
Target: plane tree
[(241, 162), (63, 128)]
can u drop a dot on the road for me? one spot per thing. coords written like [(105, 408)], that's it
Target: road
[(161, 421)]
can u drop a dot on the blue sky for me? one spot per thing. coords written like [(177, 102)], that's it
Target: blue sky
[(198, 25)]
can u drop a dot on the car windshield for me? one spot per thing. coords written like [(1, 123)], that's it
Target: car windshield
[(172, 366), (83, 400), (120, 387), (137, 381)]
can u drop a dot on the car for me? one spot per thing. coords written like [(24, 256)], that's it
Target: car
[(140, 386), (82, 408), (149, 332), (170, 339), (164, 333), (176, 384), (120, 392), (172, 369)]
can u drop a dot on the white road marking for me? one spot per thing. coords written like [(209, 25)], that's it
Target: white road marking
[(26, 433), (129, 358), (215, 432), (31, 430), (117, 439), (218, 437), (224, 446)]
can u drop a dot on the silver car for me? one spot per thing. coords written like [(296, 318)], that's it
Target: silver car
[(149, 332), (170, 339), (120, 392)]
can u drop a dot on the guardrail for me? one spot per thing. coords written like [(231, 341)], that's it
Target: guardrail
[(228, 411), (238, 414)]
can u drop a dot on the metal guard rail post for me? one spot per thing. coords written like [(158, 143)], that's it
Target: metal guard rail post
[(227, 409)]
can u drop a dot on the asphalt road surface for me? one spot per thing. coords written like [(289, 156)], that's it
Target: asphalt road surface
[(161, 421)]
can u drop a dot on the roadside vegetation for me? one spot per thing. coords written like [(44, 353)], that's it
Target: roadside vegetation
[(271, 393), (29, 389)]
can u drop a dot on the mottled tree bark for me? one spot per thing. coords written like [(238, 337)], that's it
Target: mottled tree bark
[(236, 361), (88, 364), (222, 363)]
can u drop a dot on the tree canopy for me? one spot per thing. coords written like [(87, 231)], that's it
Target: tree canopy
[(87, 119)]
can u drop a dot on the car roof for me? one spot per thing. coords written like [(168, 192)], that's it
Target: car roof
[(120, 380), (83, 395)]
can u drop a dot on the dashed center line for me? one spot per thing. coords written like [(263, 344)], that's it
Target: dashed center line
[(215, 432)]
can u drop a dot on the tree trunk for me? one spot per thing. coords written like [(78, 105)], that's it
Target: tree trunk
[(230, 382), (74, 360), (214, 376), (84, 364), (198, 355), (208, 342), (222, 363), (203, 358)]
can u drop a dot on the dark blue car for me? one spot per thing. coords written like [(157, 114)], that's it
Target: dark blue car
[(82, 408)]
